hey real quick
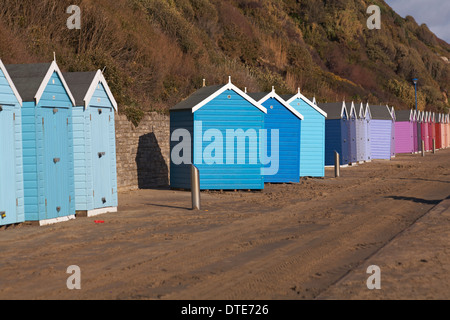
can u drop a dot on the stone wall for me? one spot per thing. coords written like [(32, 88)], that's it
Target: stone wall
[(143, 152)]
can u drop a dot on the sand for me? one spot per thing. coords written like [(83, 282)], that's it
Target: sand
[(311, 240)]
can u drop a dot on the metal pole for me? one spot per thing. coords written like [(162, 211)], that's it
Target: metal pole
[(423, 148), (415, 90), (195, 188), (434, 146), (337, 165)]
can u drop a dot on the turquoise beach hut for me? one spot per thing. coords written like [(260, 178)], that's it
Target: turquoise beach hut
[(94, 143), (47, 142), (11, 162), (312, 137)]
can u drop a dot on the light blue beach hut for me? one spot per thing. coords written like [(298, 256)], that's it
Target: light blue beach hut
[(47, 142), (312, 137), (11, 163), (94, 143)]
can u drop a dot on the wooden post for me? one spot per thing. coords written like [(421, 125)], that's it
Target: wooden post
[(195, 188), (434, 146), (337, 165), (423, 148)]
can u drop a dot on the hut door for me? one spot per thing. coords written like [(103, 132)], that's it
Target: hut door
[(7, 166), (56, 162), (101, 157)]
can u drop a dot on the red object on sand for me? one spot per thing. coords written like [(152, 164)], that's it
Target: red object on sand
[(99, 221)]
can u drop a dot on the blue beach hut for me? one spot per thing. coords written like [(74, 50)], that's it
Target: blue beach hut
[(336, 133), (11, 162), (47, 142), (312, 137), (218, 129), (352, 120), (287, 121), (362, 134), (94, 143)]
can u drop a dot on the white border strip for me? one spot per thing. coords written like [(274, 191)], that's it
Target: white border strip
[(56, 220), (96, 212)]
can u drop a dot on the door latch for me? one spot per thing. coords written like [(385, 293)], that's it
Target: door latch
[(56, 160), (58, 209), (103, 200), (101, 154)]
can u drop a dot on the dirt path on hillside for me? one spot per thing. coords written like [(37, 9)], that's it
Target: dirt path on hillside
[(295, 241)]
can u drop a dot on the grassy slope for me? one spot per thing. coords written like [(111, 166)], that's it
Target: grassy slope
[(157, 52)]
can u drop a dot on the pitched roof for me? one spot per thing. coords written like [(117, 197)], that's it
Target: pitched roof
[(333, 110), (10, 82), (262, 97), (257, 96), (287, 97), (311, 102), (79, 83), (197, 97), (204, 95), (380, 113), (403, 115), (28, 78), (32, 79), (83, 85), (350, 107)]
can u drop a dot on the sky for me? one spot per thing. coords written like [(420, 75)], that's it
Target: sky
[(434, 13)]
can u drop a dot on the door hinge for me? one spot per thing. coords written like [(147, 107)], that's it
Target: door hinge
[(14, 117), (70, 198), (17, 202), (45, 202)]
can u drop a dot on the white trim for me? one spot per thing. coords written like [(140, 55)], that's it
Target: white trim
[(11, 83), (344, 110), (298, 95), (390, 112), (229, 86), (96, 212), (352, 109), (361, 111), (56, 220), (99, 78), (368, 111), (53, 68), (275, 96)]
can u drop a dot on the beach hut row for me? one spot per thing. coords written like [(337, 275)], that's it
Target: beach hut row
[(241, 140), (414, 127), (57, 141), (358, 133)]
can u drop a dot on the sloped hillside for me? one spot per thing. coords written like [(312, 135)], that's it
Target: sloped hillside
[(156, 52)]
